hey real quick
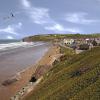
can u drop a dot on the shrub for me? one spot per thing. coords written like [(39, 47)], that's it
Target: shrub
[(94, 43), (84, 47), (75, 74)]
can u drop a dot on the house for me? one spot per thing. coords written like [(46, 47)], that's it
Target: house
[(82, 41), (68, 41)]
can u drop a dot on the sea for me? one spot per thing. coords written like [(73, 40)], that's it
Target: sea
[(16, 56), (12, 44)]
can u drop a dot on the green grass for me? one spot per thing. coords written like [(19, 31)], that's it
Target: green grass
[(64, 82), (92, 92), (51, 37)]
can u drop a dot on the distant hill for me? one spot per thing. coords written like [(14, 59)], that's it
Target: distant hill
[(51, 37), (76, 77)]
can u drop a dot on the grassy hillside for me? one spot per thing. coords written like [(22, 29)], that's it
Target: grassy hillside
[(76, 77), (51, 37)]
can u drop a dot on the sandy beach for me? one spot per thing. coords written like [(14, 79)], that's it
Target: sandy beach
[(8, 91)]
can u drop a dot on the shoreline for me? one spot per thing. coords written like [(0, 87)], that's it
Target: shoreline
[(50, 57), (46, 60), (19, 59), (25, 75)]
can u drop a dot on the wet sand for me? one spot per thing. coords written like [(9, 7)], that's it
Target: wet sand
[(15, 61)]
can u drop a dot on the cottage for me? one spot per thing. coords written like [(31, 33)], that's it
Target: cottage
[(69, 41)]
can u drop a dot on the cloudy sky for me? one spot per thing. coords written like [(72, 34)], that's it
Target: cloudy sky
[(48, 16)]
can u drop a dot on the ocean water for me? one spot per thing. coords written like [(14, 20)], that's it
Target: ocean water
[(16, 56), (12, 44), (6, 41)]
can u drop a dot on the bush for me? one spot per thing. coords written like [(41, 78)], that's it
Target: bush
[(84, 47), (94, 43), (75, 74)]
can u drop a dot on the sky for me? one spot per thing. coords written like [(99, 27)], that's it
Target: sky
[(22, 18)]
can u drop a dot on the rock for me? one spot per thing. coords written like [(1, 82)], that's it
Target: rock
[(8, 82)]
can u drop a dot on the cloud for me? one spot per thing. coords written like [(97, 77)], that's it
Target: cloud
[(18, 26), (8, 29), (9, 37), (79, 18), (38, 15), (41, 16), (60, 28), (26, 3), (12, 29), (56, 27)]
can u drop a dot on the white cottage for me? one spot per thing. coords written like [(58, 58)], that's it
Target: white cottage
[(69, 41)]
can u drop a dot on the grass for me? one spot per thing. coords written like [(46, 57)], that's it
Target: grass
[(76, 77), (52, 37)]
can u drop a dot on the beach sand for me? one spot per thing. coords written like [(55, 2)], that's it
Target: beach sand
[(8, 91)]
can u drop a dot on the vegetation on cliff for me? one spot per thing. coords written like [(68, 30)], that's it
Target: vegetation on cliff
[(52, 37), (76, 77)]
